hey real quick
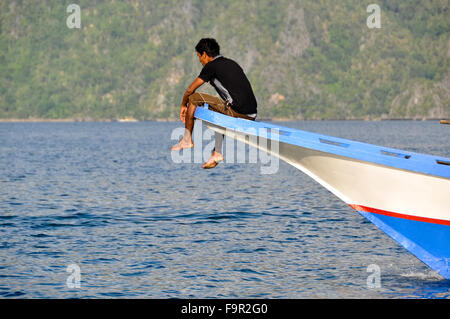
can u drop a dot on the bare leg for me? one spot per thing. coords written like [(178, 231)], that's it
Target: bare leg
[(186, 140), (219, 140), (216, 155)]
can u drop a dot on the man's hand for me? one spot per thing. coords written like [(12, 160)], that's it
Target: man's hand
[(190, 90), (183, 111)]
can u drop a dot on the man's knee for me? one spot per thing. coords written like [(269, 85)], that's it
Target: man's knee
[(195, 99)]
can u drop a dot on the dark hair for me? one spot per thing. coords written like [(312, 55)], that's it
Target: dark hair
[(208, 45)]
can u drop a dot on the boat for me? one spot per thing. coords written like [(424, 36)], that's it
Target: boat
[(405, 194)]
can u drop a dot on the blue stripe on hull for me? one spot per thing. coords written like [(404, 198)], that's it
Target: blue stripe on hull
[(427, 241)]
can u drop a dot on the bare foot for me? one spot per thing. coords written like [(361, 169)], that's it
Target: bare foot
[(182, 144), (215, 159)]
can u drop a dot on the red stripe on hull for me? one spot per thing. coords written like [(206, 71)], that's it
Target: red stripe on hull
[(392, 214)]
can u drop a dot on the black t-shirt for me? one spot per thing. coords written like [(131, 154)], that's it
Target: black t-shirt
[(230, 82)]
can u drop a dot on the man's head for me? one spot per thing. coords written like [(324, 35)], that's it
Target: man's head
[(207, 49)]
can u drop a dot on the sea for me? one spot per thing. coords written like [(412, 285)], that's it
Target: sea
[(106, 210)]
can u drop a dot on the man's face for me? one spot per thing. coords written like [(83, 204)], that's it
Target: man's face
[(203, 58)]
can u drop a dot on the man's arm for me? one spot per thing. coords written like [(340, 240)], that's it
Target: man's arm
[(189, 91)]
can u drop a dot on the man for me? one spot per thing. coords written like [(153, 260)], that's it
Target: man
[(228, 78)]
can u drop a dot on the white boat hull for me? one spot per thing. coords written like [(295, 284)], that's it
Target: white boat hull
[(410, 206)]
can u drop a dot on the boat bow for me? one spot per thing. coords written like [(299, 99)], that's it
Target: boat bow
[(405, 194)]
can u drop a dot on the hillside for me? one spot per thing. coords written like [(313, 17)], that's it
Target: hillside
[(305, 59)]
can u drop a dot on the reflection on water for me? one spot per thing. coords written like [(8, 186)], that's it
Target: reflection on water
[(107, 197)]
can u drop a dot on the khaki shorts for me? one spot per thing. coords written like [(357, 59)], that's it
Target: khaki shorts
[(216, 104)]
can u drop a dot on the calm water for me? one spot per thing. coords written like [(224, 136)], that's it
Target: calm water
[(109, 198)]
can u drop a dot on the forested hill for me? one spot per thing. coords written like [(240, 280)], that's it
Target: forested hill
[(314, 59)]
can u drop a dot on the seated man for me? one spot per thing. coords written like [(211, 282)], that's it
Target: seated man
[(228, 78)]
